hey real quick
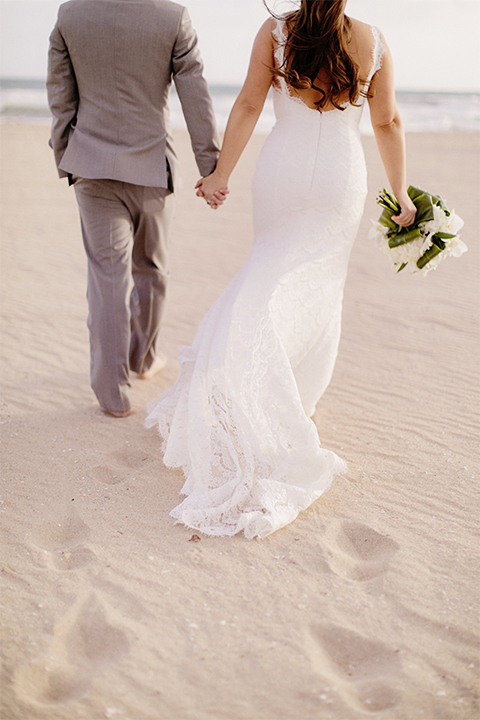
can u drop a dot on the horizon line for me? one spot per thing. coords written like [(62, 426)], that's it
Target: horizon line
[(32, 83)]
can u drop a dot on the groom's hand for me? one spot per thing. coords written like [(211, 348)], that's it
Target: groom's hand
[(214, 198)]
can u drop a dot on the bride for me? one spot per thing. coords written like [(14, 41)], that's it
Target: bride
[(237, 420)]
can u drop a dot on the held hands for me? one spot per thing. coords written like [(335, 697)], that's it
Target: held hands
[(213, 188)]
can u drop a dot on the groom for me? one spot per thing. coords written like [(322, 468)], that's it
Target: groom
[(111, 64)]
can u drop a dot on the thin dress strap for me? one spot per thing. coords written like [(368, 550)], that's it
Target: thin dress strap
[(377, 53), (279, 82), (280, 39)]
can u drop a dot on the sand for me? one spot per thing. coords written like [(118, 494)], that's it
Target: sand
[(365, 607)]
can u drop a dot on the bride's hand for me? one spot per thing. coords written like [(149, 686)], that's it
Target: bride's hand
[(408, 212), (213, 189)]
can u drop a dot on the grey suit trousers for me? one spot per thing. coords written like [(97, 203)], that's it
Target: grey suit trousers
[(125, 231)]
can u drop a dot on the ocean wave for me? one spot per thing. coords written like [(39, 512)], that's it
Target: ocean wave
[(26, 101)]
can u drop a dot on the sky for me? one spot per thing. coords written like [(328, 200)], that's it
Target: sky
[(435, 43)]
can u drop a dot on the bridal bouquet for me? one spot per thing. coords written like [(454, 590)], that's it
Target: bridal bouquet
[(421, 246)]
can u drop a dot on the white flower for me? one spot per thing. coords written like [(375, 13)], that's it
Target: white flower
[(453, 223), (443, 223), (438, 221), (456, 247), (427, 241), (408, 252)]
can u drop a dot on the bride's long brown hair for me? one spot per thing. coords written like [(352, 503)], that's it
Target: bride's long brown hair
[(317, 40)]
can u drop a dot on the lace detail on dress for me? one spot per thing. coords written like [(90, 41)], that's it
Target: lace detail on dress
[(280, 39), (378, 52), (279, 36), (251, 458)]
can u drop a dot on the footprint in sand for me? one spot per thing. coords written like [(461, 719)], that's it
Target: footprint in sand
[(120, 467), (357, 551), (73, 559), (370, 666), (63, 541), (83, 644)]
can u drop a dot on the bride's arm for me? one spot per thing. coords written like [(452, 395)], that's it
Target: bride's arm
[(390, 136), (244, 114)]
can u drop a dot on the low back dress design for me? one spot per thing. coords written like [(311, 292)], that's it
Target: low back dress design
[(237, 421)]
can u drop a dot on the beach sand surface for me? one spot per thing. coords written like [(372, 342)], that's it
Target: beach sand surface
[(365, 607)]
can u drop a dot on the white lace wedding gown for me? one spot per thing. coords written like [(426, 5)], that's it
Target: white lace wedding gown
[(238, 418)]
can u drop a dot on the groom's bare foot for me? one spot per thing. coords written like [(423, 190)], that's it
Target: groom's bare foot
[(117, 413), (156, 367)]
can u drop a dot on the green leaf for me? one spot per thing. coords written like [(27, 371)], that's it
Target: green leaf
[(437, 240), (414, 192), (403, 238), (403, 265), (432, 252), (444, 236), (437, 200), (424, 204), (424, 207)]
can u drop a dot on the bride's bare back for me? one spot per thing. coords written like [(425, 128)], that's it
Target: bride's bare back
[(360, 49)]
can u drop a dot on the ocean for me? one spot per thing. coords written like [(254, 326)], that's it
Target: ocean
[(24, 100)]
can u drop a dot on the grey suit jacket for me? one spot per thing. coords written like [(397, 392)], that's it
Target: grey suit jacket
[(111, 65)]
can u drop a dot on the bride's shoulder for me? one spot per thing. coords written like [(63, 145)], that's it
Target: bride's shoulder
[(266, 37), (365, 39), (365, 33), (271, 30), (360, 28), (269, 26), (272, 23)]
